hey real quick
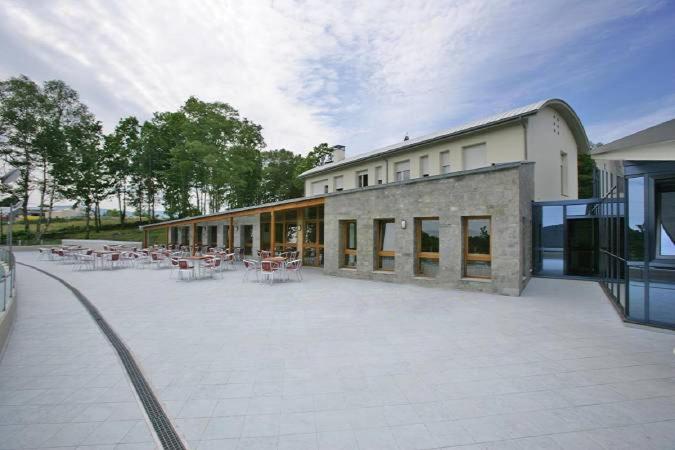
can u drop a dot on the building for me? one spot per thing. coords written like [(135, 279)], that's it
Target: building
[(636, 210), (548, 133), (449, 209)]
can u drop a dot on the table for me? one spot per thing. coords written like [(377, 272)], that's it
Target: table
[(198, 261)]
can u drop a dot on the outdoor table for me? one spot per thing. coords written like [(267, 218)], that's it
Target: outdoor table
[(280, 261), (198, 261)]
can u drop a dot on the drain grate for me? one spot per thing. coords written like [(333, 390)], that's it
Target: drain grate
[(160, 421)]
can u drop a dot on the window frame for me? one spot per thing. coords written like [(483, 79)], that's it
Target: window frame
[(419, 254), (424, 173), (378, 175), (362, 175), (442, 166), (657, 214), (564, 174), (335, 183), (396, 172), (379, 253), (475, 256), (344, 246)]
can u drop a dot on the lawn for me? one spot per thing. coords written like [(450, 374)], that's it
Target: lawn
[(75, 229)]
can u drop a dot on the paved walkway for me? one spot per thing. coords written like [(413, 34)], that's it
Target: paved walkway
[(61, 383), (334, 363)]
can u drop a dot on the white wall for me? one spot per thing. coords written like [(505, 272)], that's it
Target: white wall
[(504, 144), (544, 144)]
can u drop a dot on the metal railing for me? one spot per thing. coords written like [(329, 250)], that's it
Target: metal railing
[(7, 277)]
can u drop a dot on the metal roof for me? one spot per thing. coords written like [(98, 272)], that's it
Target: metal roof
[(662, 132), (506, 116)]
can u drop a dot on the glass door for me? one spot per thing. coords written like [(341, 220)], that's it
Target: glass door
[(582, 247)]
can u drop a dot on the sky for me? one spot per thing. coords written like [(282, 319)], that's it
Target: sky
[(362, 74)]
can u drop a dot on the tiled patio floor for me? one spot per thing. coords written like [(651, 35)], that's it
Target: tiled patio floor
[(336, 363)]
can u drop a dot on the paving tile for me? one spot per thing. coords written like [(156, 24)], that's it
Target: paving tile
[(111, 432), (415, 437), (223, 428), (376, 439), (307, 441), (261, 425)]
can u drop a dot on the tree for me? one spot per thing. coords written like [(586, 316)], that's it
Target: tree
[(280, 170), (61, 109), (120, 146), (585, 169), (81, 173), (21, 106), (316, 157)]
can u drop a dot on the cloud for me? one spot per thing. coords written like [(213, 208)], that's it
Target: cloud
[(357, 73)]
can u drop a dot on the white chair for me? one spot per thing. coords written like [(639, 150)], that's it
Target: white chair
[(213, 266), (269, 270), (251, 265), (296, 267), (185, 269)]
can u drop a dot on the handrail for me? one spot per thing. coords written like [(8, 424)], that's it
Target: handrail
[(8, 276)]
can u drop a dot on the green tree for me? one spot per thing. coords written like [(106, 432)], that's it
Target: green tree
[(21, 108), (585, 169), (120, 146), (280, 170), (316, 157)]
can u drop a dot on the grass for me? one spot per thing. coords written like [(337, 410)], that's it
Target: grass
[(75, 229)]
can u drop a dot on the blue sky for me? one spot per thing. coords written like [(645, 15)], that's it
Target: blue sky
[(362, 74)]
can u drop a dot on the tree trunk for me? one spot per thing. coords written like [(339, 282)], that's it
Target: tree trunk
[(52, 194), (88, 217), (43, 193)]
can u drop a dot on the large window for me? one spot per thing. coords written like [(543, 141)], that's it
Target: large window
[(427, 243), (424, 166), (445, 162), (378, 175), (665, 218), (313, 236), (385, 244), (337, 183), (402, 170), (636, 219), (477, 252), (348, 244), (474, 156), (362, 178)]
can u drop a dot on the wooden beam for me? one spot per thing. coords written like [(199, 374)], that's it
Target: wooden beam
[(145, 238), (249, 212), (300, 242), (194, 238), (230, 235), (272, 232)]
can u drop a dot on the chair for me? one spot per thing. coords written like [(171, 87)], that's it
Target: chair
[(184, 267), (83, 261), (173, 265), (229, 260), (264, 254), (250, 266), (156, 259), (294, 266), (269, 269), (212, 265), (112, 260)]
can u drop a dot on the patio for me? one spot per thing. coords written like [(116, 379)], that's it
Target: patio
[(340, 363)]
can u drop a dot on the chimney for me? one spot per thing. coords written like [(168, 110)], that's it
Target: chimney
[(338, 153)]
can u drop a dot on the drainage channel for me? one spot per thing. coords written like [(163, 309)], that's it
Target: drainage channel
[(160, 421)]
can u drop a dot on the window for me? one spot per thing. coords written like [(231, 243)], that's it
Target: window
[(477, 253), (427, 242), (385, 242), (362, 178), (378, 175), (320, 187), (402, 170), (665, 218), (424, 166), (474, 156), (636, 219), (348, 245), (563, 173), (337, 183), (445, 162)]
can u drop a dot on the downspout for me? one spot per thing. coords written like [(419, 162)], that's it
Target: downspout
[(386, 170), (523, 121)]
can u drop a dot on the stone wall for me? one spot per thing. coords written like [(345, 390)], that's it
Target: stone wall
[(502, 192)]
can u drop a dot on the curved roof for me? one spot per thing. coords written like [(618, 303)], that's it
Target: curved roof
[(564, 109)]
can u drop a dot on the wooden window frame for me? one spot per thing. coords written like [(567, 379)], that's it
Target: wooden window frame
[(419, 255), (378, 245), (344, 251), (475, 256), (362, 175)]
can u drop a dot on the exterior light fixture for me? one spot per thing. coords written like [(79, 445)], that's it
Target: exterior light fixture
[(403, 224)]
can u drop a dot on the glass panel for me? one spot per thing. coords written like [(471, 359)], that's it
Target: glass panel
[(351, 236), (636, 219), (552, 240), (579, 210), (662, 295), (387, 236), (478, 236), (478, 269), (428, 267), (310, 233), (349, 261), (310, 213), (321, 233), (429, 235), (311, 257), (665, 217), (636, 293), (291, 234), (386, 263), (265, 231)]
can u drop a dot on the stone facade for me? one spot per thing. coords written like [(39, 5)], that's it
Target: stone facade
[(502, 192)]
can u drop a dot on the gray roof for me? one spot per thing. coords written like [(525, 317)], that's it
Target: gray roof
[(663, 132), (559, 105)]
